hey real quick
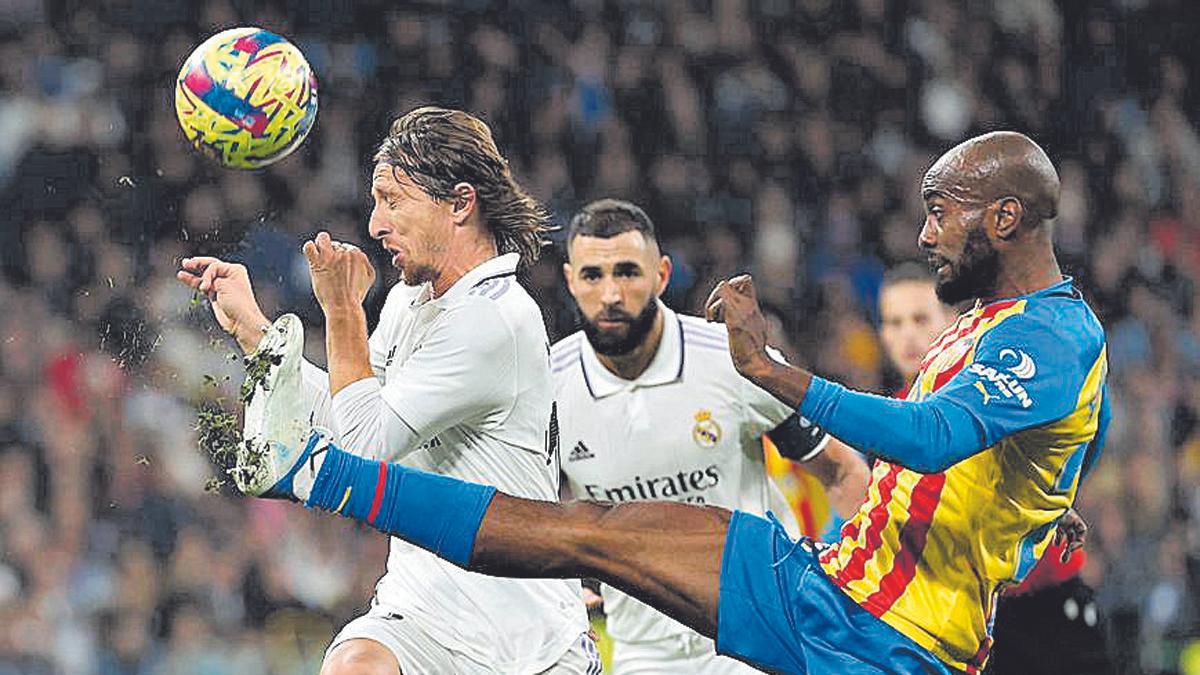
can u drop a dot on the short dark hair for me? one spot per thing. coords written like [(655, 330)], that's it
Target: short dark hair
[(606, 218), (908, 271), (439, 147)]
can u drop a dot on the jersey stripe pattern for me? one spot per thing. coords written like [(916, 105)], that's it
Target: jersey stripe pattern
[(929, 553)]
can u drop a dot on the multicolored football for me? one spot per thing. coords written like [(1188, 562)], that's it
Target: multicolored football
[(246, 97)]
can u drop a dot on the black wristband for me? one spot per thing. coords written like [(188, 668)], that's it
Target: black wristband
[(798, 439)]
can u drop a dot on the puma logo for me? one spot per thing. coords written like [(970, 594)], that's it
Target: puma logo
[(983, 390)]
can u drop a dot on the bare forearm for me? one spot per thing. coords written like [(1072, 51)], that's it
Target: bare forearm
[(845, 476), (783, 381), (249, 335), (346, 348)]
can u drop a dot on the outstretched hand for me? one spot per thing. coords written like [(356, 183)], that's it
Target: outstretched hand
[(341, 273), (227, 287), (735, 303)]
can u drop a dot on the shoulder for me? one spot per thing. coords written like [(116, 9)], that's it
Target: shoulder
[(1060, 326), (502, 298), (564, 354), (485, 322), (703, 336)]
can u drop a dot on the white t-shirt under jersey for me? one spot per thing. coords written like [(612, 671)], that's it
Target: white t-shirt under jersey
[(688, 429), (467, 376)]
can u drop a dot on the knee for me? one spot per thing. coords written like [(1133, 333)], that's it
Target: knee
[(360, 657)]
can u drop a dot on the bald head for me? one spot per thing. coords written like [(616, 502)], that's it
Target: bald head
[(999, 165)]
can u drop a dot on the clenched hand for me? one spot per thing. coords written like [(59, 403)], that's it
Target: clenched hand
[(736, 304), (341, 273)]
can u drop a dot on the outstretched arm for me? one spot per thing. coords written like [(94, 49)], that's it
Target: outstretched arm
[(228, 289), (981, 404)]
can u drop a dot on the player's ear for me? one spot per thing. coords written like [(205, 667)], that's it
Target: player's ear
[(1009, 213), (464, 202), (664, 274)]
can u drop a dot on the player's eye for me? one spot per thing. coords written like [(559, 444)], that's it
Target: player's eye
[(589, 275)]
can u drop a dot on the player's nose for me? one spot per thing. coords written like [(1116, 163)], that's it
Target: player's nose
[(927, 238), (377, 225), (610, 292)]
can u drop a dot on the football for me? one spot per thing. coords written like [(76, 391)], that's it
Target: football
[(246, 97)]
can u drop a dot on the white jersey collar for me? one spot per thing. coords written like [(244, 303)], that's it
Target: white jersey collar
[(666, 366), (503, 265)]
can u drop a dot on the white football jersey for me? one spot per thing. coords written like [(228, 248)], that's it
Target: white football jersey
[(469, 373), (688, 429)]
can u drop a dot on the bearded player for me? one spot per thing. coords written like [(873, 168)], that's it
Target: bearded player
[(1049, 623), (977, 467), (455, 380), (651, 408)]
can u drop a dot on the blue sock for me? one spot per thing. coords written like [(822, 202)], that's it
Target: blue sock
[(438, 513)]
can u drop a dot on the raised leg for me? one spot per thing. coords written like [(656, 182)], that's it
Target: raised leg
[(665, 554)]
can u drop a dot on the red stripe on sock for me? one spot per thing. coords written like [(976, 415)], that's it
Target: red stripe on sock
[(379, 487)]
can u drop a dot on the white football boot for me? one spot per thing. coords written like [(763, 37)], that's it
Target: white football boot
[(277, 435)]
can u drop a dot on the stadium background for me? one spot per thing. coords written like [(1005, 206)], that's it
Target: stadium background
[(784, 137)]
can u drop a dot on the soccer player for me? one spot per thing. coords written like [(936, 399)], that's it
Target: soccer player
[(977, 466), (910, 318), (454, 380), (651, 408), (1049, 623)]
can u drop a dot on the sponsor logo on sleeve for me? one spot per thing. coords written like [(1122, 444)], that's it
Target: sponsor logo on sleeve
[(1006, 380)]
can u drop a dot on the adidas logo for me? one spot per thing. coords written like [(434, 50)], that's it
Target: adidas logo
[(580, 452)]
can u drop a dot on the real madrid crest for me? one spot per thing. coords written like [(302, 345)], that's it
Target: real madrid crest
[(706, 432)]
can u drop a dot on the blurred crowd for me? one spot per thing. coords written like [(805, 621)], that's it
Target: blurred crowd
[(783, 137)]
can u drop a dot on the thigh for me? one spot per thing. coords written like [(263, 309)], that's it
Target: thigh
[(665, 554), (650, 658), (377, 634), (583, 658), (691, 653), (712, 663), (779, 611)]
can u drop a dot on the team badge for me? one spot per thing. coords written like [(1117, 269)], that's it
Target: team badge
[(706, 432)]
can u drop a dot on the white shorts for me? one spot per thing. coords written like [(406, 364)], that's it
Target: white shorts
[(419, 654), (690, 653)]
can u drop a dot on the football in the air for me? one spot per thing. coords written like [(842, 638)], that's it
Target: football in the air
[(246, 97)]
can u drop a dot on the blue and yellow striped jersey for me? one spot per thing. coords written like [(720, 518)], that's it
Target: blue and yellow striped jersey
[(978, 466)]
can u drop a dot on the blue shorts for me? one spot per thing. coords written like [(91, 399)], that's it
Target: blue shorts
[(778, 611)]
